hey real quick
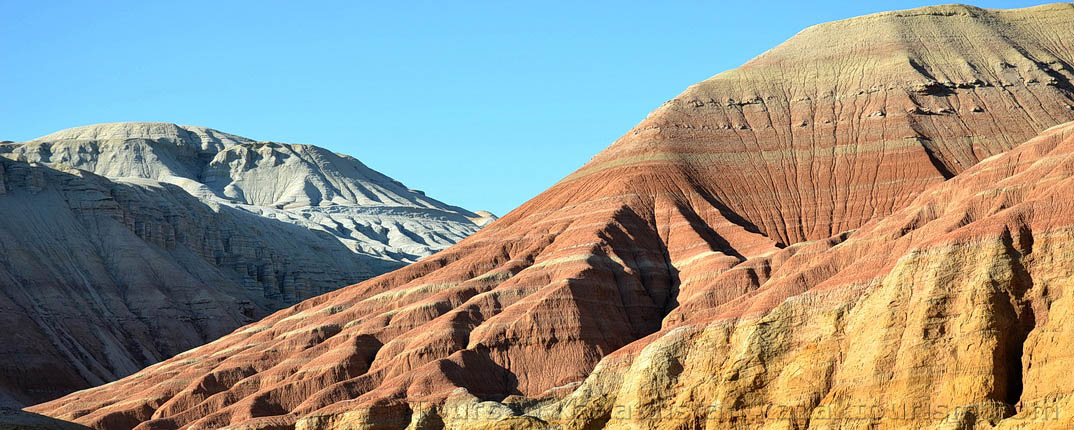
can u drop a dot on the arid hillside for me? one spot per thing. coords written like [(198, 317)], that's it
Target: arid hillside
[(841, 221), (124, 244)]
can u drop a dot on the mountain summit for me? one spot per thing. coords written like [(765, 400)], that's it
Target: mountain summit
[(840, 225), (300, 184)]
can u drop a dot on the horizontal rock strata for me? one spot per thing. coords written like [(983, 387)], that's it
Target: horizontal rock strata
[(779, 239), (189, 234), (101, 278), (372, 214)]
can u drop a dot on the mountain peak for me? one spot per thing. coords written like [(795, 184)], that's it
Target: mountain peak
[(193, 230), (894, 81), (207, 138), (303, 184), (210, 162)]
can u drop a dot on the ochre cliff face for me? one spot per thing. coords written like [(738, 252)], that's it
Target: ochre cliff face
[(774, 247)]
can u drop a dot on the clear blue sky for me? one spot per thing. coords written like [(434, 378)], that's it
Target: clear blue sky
[(480, 104)]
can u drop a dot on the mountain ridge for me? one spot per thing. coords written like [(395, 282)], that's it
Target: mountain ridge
[(119, 253), (269, 178)]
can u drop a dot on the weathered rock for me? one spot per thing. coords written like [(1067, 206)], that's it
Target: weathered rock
[(100, 278), (301, 184), (953, 312), (719, 266)]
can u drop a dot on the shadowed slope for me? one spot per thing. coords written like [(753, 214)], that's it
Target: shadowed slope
[(101, 278), (686, 215), (11, 419)]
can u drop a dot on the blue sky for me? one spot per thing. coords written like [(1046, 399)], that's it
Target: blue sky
[(480, 104)]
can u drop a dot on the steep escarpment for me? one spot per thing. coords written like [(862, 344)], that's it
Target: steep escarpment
[(732, 251)]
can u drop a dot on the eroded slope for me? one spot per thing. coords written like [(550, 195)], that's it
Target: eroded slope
[(710, 210), (954, 312), (849, 120), (101, 278), (372, 214)]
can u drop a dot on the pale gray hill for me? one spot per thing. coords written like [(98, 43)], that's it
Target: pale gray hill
[(100, 277), (158, 151), (124, 244), (369, 212)]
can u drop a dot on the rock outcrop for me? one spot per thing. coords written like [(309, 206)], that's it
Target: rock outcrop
[(834, 235), (100, 277)]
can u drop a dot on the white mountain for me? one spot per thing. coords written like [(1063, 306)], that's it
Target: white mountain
[(124, 244), (369, 212)]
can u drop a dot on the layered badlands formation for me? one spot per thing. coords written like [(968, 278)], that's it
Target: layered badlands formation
[(776, 247), (372, 214), (100, 277)]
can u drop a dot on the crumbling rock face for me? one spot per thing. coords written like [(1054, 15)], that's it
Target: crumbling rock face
[(776, 247)]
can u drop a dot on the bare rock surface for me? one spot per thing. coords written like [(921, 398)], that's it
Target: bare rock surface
[(102, 276), (484, 218), (839, 225), (301, 184)]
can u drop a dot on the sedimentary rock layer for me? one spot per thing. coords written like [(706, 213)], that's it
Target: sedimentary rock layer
[(101, 278), (779, 235), (196, 233), (372, 214), (953, 312), (13, 419)]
